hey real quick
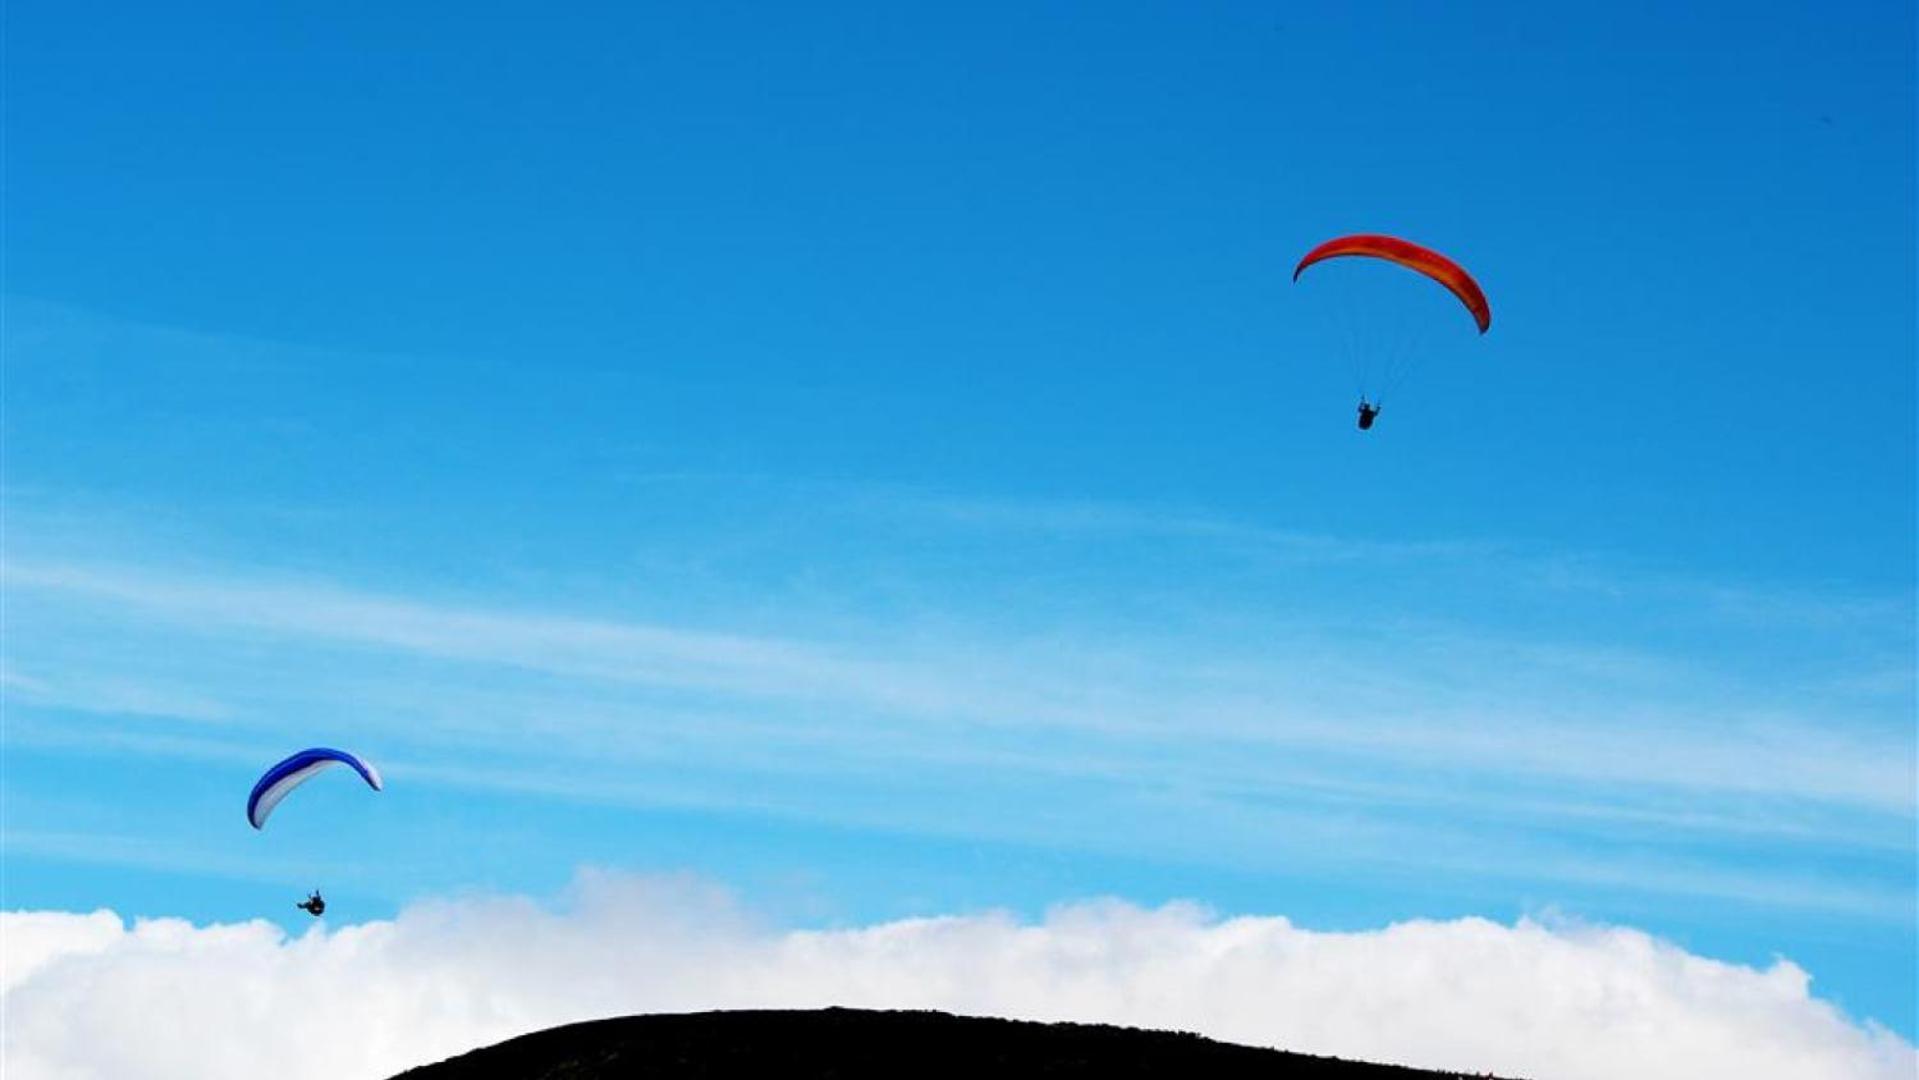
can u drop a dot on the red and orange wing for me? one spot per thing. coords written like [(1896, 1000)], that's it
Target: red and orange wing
[(1413, 257)]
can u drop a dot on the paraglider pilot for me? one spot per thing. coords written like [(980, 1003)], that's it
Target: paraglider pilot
[(313, 905), (1367, 411)]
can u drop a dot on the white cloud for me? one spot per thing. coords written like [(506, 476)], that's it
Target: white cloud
[(35, 939), (89, 996)]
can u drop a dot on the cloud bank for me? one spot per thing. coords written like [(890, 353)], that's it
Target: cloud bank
[(89, 995)]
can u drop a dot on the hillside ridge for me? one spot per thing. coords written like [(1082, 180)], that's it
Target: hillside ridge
[(852, 1044)]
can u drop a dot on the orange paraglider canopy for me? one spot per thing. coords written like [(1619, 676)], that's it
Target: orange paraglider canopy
[(1410, 255)]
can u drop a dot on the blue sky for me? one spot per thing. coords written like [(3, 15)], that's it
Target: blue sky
[(880, 461)]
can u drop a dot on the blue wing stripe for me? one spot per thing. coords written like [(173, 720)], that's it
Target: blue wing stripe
[(296, 770)]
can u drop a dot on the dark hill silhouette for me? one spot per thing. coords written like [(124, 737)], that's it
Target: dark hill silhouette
[(854, 1044)]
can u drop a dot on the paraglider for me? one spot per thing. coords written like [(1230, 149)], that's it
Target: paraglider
[(1395, 361), (296, 769), (280, 780)]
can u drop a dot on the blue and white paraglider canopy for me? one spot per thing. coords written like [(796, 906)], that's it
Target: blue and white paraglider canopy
[(298, 769)]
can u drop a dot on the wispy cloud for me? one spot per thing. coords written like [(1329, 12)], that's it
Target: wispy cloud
[(114, 696), (1438, 747), (1092, 518), (1120, 689)]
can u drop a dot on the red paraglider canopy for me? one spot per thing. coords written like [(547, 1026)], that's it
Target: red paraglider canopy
[(1410, 255)]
